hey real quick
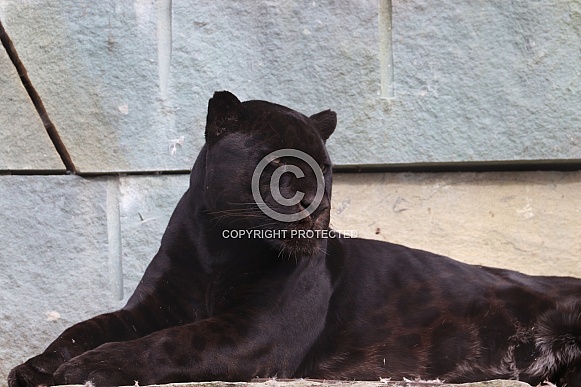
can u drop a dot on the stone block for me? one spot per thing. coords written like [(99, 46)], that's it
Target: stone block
[(95, 66), (522, 221), (54, 265), (24, 143), (481, 82), (146, 204)]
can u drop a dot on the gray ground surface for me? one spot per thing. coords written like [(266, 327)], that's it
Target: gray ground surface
[(313, 383)]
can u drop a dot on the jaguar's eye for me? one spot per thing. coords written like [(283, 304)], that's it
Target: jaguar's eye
[(276, 163)]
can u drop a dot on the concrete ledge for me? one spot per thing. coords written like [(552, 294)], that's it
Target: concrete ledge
[(316, 383)]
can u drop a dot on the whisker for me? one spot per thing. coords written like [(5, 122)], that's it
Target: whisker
[(242, 203), (234, 213), (235, 210), (263, 225)]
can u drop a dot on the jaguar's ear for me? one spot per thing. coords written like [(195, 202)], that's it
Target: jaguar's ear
[(325, 121), (224, 113)]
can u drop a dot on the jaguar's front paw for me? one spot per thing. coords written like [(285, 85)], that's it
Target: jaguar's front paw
[(37, 371), (97, 366)]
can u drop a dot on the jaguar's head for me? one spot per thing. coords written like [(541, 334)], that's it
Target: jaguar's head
[(268, 173)]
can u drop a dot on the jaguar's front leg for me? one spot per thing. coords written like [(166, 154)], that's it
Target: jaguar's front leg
[(222, 348), (235, 346)]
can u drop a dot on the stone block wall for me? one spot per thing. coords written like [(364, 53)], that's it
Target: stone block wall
[(116, 92)]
